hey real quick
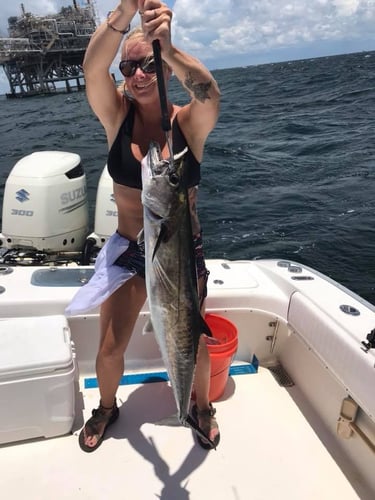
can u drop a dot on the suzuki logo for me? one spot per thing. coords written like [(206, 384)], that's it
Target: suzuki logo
[(22, 195)]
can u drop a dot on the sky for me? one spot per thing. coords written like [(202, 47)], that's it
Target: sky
[(231, 33)]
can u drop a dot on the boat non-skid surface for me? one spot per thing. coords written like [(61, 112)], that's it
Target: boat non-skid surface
[(267, 450)]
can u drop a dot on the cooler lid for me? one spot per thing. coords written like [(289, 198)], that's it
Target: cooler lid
[(34, 345)]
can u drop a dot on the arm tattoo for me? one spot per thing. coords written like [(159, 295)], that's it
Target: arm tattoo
[(199, 90), (193, 193)]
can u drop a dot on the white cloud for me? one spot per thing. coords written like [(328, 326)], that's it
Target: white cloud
[(240, 26), (346, 7), (224, 31), (243, 27)]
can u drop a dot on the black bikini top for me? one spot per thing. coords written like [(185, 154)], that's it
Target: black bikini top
[(125, 169)]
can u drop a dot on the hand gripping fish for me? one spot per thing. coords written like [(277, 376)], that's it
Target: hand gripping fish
[(171, 279)]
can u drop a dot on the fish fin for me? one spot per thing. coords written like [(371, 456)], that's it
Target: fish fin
[(162, 238), (171, 421), (188, 421), (141, 237), (194, 425), (148, 328)]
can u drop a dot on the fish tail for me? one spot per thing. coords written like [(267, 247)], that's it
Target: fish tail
[(194, 425)]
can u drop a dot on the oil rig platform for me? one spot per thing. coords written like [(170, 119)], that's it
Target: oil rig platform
[(44, 54)]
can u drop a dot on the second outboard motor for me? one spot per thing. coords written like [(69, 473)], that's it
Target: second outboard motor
[(105, 218)]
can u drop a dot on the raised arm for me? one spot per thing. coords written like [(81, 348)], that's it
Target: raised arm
[(198, 117), (104, 98)]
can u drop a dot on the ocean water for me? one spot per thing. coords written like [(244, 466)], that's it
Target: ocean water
[(288, 171)]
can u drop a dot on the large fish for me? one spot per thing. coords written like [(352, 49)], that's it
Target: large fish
[(171, 278)]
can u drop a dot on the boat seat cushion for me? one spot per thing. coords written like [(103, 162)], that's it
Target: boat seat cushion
[(340, 351)]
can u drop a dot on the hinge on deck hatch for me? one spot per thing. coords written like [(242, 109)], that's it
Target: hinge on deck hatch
[(346, 425)]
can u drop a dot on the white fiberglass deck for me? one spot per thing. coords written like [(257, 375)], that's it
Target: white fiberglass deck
[(267, 450)]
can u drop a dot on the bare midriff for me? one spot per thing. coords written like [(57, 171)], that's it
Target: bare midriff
[(130, 210)]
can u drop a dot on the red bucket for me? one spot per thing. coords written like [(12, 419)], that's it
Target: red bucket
[(221, 354)]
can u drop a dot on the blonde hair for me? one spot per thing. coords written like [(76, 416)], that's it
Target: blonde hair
[(135, 34)]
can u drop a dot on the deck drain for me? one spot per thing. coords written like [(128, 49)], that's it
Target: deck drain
[(280, 375)]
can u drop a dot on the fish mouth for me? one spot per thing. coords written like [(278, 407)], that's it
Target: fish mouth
[(155, 162), (157, 166)]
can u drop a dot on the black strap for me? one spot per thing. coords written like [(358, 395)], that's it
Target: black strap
[(129, 120)]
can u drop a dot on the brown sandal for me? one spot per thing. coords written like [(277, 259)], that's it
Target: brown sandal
[(209, 423), (99, 416)]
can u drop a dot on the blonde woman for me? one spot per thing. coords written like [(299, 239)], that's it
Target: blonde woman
[(131, 120)]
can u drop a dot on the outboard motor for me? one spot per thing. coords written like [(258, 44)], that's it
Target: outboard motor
[(105, 218), (45, 204)]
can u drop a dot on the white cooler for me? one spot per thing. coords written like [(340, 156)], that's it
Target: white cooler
[(37, 373)]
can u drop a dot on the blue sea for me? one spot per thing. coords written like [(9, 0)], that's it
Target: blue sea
[(289, 171)]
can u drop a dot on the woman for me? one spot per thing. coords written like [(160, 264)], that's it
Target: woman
[(131, 120)]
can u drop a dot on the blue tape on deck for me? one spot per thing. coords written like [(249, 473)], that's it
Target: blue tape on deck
[(242, 369), (149, 378)]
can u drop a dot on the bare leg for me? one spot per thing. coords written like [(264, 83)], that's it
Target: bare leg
[(202, 375), (202, 380), (117, 319)]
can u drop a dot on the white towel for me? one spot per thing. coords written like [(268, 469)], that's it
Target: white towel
[(106, 279)]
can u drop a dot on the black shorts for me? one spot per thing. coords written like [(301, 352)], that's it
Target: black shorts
[(133, 259)]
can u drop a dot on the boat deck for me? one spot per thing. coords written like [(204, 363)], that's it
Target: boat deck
[(267, 450)]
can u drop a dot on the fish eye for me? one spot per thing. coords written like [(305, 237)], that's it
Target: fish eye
[(174, 179)]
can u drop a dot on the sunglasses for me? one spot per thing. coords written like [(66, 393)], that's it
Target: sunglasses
[(128, 68)]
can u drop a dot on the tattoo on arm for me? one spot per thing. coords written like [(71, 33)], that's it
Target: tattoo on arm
[(199, 90), (193, 192)]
